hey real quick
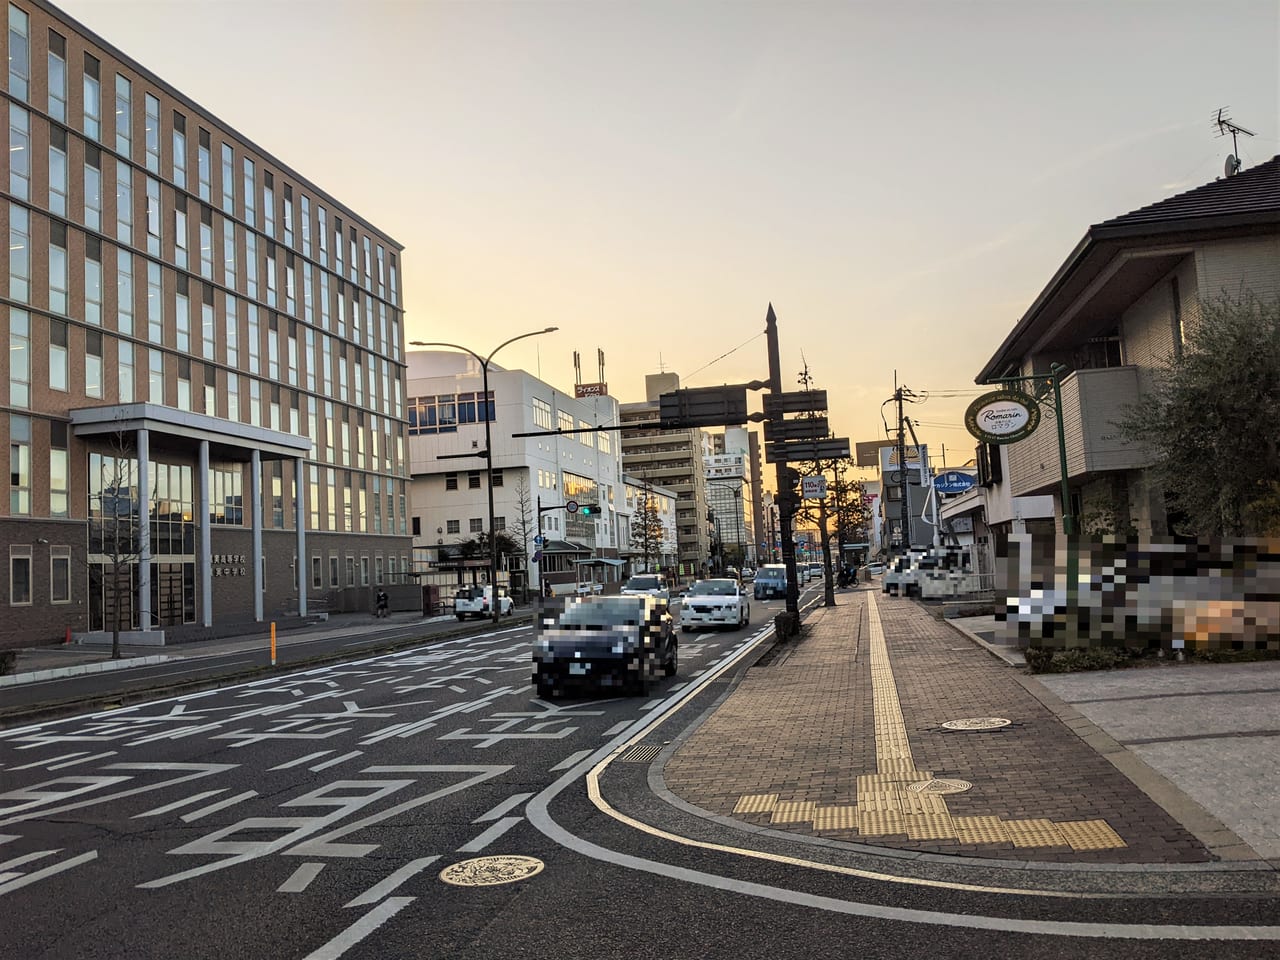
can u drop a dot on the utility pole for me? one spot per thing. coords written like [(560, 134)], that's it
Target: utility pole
[(786, 505), (905, 514)]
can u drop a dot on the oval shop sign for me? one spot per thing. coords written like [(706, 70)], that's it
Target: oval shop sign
[(1002, 416)]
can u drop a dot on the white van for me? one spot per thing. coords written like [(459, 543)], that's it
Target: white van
[(476, 602)]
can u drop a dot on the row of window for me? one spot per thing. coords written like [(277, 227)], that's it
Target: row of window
[(473, 480), (21, 572), (397, 570), (203, 330), (368, 264), (442, 414)]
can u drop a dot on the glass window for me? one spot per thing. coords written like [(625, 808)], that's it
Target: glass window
[(59, 574), (19, 253), (58, 469), (19, 358), (542, 414), (208, 326), (180, 235), (288, 215), (124, 365), (124, 202), (251, 264), (155, 293), (204, 164), (124, 291), (250, 194), (254, 342), (153, 133), (232, 325), (124, 116), (58, 367), (268, 204), (58, 268), (92, 189), (153, 216), (453, 526), (93, 281), (228, 179), (19, 52), (93, 364), (19, 572), (306, 226), (473, 480), (19, 152), (92, 98), (180, 150), (182, 317), (155, 376), (57, 76), (19, 465), (477, 525), (184, 383), (322, 234), (229, 253), (58, 171), (206, 244)]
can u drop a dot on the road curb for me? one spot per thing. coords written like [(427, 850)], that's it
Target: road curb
[(54, 673)]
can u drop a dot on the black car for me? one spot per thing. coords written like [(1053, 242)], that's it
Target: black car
[(606, 643)]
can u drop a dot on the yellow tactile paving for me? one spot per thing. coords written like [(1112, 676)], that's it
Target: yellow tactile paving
[(885, 807), (1036, 832), (980, 830), (793, 811), (756, 803), (1090, 835), (835, 818)]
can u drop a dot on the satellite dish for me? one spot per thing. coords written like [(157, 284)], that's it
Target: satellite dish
[(1232, 166)]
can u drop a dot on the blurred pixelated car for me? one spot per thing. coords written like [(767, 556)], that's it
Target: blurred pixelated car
[(715, 603), (610, 643)]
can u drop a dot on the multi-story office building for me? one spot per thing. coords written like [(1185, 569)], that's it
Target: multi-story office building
[(672, 459), (447, 411), (205, 377)]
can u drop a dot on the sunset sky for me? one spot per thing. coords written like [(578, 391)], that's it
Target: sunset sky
[(899, 179)]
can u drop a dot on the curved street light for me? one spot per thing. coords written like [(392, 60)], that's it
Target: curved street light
[(487, 453)]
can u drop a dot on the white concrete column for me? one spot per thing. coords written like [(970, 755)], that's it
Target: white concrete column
[(255, 499), (144, 528), (204, 559), (300, 525)]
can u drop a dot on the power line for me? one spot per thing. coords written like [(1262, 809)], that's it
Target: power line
[(724, 355)]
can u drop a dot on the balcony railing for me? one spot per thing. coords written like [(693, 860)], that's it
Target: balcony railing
[(1092, 401)]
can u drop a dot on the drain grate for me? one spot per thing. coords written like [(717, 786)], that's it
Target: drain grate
[(641, 753), (977, 723)]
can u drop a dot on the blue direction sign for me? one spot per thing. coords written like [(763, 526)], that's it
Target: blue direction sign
[(953, 481), (539, 540)]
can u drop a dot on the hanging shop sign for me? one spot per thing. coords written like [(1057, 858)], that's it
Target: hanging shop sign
[(1002, 416)]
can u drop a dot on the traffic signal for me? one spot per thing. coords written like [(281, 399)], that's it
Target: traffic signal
[(588, 509)]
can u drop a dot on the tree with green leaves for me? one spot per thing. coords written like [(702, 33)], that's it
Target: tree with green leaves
[(647, 530), (1212, 422)]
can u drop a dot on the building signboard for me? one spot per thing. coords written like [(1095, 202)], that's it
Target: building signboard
[(1002, 416), (582, 390)]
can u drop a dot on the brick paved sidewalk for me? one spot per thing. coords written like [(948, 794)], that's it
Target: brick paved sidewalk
[(841, 737)]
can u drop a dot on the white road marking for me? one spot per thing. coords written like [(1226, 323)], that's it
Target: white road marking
[(617, 728), (31, 878), (41, 763), (301, 878), (380, 890), (490, 835), (72, 763), (195, 815), (651, 705), (570, 760), (504, 807), (336, 760), (301, 760), (27, 858), (370, 922), (178, 804)]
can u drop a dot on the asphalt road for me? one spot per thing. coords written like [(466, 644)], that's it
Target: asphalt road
[(311, 815)]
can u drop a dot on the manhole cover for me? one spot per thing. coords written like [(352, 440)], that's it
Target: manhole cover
[(977, 723), (936, 786), (491, 871)]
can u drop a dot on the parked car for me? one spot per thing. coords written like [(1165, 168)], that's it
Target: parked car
[(607, 643), (475, 602), (771, 581), (647, 585), (715, 603)]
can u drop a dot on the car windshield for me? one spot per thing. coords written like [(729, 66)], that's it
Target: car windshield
[(642, 583), (603, 612), (771, 573), (714, 588), (470, 593)]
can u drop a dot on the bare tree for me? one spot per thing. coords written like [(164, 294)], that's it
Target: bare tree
[(115, 530), (523, 527)]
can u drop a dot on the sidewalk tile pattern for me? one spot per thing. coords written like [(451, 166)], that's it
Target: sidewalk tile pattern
[(827, 740)]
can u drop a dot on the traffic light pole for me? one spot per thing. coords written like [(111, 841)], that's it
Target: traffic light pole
[(786, 495)]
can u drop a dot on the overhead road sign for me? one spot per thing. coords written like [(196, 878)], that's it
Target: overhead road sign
[(798, 401), (953, 481), (797, 450), (806, 428), (703, 407)]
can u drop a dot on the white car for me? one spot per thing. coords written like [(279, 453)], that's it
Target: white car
[(475, 602), (647, 585), (715, 603)]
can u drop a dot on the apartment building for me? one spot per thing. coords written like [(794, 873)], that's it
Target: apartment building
[(205, 414), (671, 459)]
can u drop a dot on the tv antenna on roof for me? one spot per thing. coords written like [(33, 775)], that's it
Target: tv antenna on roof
[(1225, 126)]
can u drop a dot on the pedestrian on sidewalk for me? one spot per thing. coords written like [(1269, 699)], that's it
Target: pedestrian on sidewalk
[(381, 603)]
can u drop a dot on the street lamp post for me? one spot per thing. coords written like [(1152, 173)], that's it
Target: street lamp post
[(487, 453)]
